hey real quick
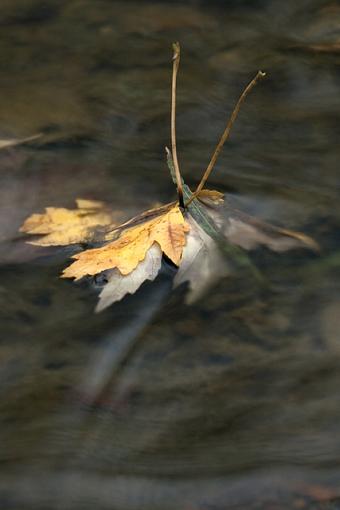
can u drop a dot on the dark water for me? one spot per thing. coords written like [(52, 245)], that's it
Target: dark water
[(230, 403)]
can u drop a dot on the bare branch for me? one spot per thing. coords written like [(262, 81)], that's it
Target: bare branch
[(226, 133), (175, 66)]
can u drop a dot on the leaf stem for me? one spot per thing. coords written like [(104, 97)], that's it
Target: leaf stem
[(175, 66), (226, 133)]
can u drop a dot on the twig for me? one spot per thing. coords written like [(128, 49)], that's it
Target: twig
[(175, 65), (226, 133)]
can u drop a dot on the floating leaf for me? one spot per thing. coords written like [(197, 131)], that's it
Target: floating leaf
[(118, 285), (147, 215), (126, 252), (207, 242), (200, 214), (201, 234), (203, 263), (61, 227), (210, 197), (248, 232)]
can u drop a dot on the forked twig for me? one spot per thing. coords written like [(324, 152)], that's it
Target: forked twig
[(175, 66), (225, 134)]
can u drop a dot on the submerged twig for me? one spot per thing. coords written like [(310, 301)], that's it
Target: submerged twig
[(175, 66), (226, 134), (6, 144)]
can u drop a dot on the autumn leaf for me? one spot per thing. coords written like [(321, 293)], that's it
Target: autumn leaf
[(203, 263), (205, 260), (201, 233), (60, 227), (249, 233), (210, 197), (126, 252), (119, 285), (207, 256)]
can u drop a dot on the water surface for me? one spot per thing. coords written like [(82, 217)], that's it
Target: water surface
[(229, 403)]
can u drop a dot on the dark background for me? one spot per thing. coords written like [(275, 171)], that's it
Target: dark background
[(232, 402)]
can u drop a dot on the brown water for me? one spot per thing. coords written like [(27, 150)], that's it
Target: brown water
[(230, 403)]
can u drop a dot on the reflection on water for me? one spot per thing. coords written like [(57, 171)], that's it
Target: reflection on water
[(233, 402)]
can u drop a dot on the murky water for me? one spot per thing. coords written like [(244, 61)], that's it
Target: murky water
[(229, 403)]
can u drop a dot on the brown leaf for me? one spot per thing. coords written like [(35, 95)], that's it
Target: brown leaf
[(210, 197), (61, 227), (126, 252)]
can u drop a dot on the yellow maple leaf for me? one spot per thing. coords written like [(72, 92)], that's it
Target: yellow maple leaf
[(167, 228), (60, 226)]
